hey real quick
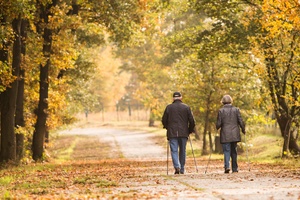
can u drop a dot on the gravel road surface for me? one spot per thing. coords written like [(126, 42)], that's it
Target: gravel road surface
[(260, 182)]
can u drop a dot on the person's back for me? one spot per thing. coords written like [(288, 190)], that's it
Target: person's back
[(179, 121), (230, 121)]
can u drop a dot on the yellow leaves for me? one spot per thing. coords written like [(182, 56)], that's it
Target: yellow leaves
[(6, 77), (280, 17), (276, 47), (57, 105), (291, 100)]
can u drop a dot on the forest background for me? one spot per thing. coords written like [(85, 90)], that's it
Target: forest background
[(62, 57)]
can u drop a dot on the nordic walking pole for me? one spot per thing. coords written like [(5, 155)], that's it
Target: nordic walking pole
[(193, 153), (168, 158), (208, 161), (247, 153)]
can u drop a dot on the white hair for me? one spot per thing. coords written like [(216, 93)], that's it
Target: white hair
[(226, 99), (176, 98)]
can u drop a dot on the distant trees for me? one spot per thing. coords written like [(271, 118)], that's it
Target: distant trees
[(249, 49), (143, 58), (206, 66)]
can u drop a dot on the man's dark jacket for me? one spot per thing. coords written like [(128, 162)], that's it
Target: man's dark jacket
[(230, 121), (178, 119)]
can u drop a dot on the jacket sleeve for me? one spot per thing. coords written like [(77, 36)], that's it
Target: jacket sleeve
[(241, 122), (219, 121), (165, 119), (191, 122)]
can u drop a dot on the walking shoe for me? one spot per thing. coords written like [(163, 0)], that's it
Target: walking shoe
[(227, 170), (181, 172), (177, 170)]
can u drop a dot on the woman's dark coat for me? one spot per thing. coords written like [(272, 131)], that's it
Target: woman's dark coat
[(230, 121)]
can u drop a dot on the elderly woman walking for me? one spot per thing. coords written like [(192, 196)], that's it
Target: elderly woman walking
[(230, 121)]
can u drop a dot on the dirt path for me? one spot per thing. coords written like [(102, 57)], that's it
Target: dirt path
[(123, 143), (142, 163)]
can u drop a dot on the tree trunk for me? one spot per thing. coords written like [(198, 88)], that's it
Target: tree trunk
[(8, 146), (151, 118), (283, 112), (293, 145), (41, 123), (41, 126), (197, 136), (3, 59), (218, 145), (210, 141), (19, 118), (8, 140), (0, 123), (284, 127), (206, 125), (290, 141), (204, 147)]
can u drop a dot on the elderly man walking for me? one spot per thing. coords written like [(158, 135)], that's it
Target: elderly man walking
[(179, 121)]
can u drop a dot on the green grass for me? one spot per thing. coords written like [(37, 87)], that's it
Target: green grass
[(6, 180), (66, 151), (265, 148), (264, 145), (5, 195), (105, 184), (99, 182)]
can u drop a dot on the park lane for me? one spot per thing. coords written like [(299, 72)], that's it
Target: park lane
[(124, 143)]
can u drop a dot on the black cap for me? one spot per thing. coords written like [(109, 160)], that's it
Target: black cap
[(176, 94)]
